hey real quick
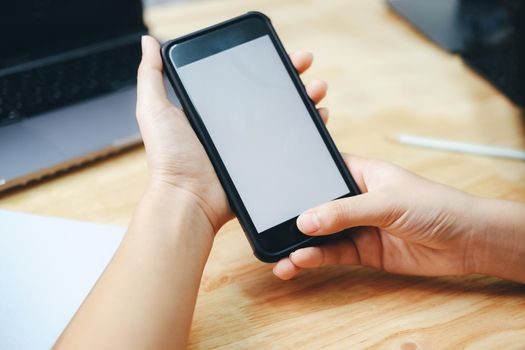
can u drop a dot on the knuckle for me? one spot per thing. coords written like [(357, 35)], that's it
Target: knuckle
[(322, 259), (140, 70), (339, 214)]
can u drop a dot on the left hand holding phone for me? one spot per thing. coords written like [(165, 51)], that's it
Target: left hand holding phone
[(176, 158)]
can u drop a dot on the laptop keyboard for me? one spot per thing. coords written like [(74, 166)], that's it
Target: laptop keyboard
[(27, 93)]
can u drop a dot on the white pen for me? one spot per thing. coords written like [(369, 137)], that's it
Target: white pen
[(458, 146)]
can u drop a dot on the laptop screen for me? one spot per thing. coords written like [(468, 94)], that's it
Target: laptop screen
[(31, 29)]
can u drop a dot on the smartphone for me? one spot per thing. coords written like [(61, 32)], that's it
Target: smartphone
[(262, 133)]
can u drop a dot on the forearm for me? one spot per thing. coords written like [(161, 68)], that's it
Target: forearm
[(146, 296), (500, 246)]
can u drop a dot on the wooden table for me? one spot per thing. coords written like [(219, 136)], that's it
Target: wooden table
[(384, 78)]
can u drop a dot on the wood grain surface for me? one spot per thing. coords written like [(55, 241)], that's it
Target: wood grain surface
[(384, 78)]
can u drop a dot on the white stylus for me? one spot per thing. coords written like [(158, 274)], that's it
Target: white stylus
[(457, 146)]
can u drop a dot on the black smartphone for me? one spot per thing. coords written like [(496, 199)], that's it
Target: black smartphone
[(263, 134)]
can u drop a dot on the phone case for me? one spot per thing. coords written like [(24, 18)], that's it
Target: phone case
[(233, 196)]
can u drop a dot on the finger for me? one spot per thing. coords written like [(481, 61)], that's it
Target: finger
[(342, 252), (369, 246), (324, 113), (285, 269), (151, 92), (367, 209), (316, 90), (301, 60)]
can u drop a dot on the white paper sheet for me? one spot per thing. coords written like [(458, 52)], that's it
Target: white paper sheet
[(47, 268)]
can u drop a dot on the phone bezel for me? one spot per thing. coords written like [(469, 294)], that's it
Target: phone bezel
[(278, 241)]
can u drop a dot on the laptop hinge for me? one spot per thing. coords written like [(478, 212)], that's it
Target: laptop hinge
[(79, 52)]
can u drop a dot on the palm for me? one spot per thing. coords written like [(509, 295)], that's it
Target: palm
[(178, 158)]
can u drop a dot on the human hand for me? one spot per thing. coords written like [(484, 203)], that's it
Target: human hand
[(402, 224), (176, 158)]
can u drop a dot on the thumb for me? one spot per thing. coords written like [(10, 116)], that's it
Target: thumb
[(151, 92), (367, 209)]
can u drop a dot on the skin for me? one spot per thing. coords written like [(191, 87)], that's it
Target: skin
[(146, 296)]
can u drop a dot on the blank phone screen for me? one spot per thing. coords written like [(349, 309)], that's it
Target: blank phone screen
[(263, 132)]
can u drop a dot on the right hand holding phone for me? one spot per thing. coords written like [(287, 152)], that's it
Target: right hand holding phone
[(402, 223)]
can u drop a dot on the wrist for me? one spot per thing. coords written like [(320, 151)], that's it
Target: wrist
[(498, 246), (175, 213), (173, 194)]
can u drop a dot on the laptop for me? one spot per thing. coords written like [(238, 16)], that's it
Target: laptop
[(67, 83), (487, 34)]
